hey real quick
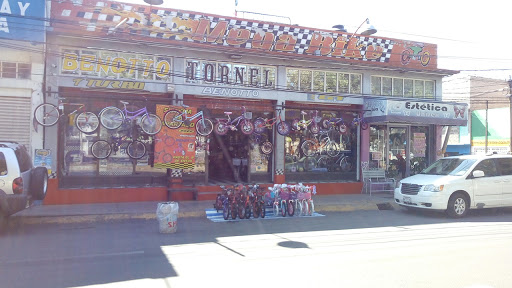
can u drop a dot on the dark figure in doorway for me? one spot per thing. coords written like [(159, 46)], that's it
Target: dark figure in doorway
[(401, 164)]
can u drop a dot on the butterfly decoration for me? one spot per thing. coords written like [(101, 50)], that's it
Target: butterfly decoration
[(459, 111)]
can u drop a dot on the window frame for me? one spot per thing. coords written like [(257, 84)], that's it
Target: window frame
[(405, 82)]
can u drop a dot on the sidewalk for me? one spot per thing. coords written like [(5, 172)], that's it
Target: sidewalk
[(78, 213)]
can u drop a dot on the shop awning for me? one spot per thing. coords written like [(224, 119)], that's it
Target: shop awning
[(421, 112)]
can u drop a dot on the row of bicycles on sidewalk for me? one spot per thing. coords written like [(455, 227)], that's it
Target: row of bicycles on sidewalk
[(245, 201)]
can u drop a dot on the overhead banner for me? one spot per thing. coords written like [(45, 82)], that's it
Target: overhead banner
[(113, 19), (22, 20), (175, 148), (410, 111)]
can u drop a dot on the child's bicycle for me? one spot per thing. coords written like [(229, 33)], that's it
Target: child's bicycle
[(47, 114), (112, 118), (174, 119), (223, 125)]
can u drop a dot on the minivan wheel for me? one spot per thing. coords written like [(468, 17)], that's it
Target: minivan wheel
[(458, 205)]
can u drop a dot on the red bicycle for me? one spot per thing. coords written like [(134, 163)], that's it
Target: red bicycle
[(261, 124)]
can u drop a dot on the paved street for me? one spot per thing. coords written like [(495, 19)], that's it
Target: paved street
[(390, 248)]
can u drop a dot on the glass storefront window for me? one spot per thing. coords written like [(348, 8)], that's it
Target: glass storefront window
[(398, 87), (330, 82), (318, 81), (419, 152), (292, 79), (378, 147), (305, 80), (326, 156)]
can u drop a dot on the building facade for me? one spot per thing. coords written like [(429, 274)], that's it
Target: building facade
[(387, 92), (21, 70)]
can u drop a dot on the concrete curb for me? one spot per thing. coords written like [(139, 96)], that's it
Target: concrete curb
[(73, 219)]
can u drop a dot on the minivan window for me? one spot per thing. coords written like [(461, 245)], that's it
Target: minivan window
[(488, 167), (449, 166), (505, 165)]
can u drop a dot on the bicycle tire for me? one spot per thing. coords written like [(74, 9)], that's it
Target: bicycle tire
[(204, 127), (342, 128), (259, 125), (221, 128), (291, 208), (283, 207), (101, 149), (262, 210), (46, 114), (241, 211), (283, 128), (87, 122), (234, 211), (275, 209), (150, 124), (255, 209), (225, 211), (111, 117), (314, 128), (332, 149), (173, 119), (364, 125), (247, 127), (136, 149), (345, 165), (305, 207), (323, 162), (298, 208), (311, 207), (266, 148), (309, 163), (308, 148)]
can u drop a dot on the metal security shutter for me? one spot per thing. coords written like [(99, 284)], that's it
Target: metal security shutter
[(15, 119)]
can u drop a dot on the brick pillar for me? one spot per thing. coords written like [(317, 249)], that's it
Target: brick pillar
[(174, 180)]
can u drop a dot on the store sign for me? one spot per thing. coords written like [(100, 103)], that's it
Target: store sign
[(105, 83), (175, 148), (230, 92), (428, 112), (101, 18), (117, 65), (325, 98), (22, 20)]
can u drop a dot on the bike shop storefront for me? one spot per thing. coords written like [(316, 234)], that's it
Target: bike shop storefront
[(102, 157), (323, 146), (403, 135), (235, 154)]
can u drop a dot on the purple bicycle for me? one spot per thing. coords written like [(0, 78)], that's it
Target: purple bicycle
[(112, 118)]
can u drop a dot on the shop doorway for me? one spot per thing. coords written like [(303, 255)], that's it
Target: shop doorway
[(397, 155), (229, 158)]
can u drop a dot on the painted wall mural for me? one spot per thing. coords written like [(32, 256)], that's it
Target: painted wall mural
[(137, 22)]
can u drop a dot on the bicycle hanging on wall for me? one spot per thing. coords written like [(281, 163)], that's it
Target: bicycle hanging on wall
[(47, 114), (174, 119), (112, 118)]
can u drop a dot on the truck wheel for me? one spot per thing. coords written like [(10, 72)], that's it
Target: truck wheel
[(39, 182)]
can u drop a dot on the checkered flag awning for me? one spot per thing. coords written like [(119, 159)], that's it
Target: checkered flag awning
[(133, 21)]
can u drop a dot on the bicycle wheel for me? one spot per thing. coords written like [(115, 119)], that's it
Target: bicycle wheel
[(234, 211), (308, 148), (87, 122), (364, 125), (256, 209), (298, 207), (225, 211), (101, 149), (111, 117), (345, 164), (342, 128), (221, 128), (291, 208), (262, 210), (305, 207), (246, 127), (46, 114), (204, 127), (151, 124), (314, 128), (283, 128), (248, 211), (323, 162), (311, 207), (309, 163), (241, 211), (136, 149), (283, 207), (173, 119), (266, 148), (259, 125), (332, 149), (275, 208)]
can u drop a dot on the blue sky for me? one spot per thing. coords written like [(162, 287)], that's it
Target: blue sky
[(470, 35)]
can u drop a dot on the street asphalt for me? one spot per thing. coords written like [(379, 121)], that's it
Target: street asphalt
[(38, 213)]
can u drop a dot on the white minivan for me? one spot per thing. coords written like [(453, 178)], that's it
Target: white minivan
[(459, 183)]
